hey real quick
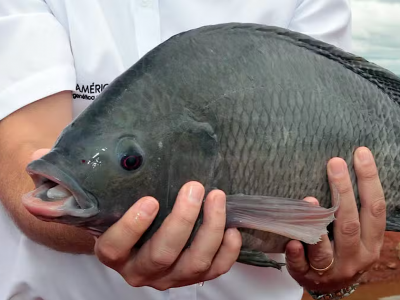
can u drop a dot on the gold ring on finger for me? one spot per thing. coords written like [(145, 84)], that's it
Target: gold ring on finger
[(321, 271)]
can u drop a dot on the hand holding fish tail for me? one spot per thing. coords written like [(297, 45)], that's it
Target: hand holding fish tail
[(161, 262), (358, 237)]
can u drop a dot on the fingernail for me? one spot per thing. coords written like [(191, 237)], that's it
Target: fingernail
[(364, 155), (196, 193), (337, 168), (219, 201), (148, 207), (230, 231)]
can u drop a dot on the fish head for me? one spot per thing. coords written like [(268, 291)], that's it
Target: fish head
[(92, 184), (99, 167)]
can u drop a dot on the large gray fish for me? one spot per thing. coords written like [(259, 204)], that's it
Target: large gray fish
[(255, 111)]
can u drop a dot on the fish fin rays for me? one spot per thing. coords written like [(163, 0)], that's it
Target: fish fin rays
[(293, 218), (258, 259), (383, 78)]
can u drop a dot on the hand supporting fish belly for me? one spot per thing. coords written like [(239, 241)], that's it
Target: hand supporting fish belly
[(164, 262)]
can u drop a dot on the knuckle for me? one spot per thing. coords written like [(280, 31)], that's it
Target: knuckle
[(134, 282), (201, 265), (351, 228), (216, 228), (162, 287), (186, 219), (322, 259), (296, 268), (130, 229), (221, 270), (162, 259), (378, 208), (345, 189), (368, 173), (108, 254), (324, 280), (348, 274)]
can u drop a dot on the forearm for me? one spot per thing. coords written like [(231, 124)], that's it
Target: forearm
[(33, 127), (14, 182)]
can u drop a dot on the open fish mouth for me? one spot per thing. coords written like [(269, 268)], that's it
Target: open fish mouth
[(57, 194)]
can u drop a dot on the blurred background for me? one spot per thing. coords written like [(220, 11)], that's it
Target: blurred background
[(376, 32), (376, 37)]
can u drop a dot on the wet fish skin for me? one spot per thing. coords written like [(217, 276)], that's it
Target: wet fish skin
[(249, 109)]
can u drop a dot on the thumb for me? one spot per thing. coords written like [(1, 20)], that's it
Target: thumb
[(39, 153)]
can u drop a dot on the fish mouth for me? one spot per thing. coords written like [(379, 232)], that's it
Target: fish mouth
[(57, 194)]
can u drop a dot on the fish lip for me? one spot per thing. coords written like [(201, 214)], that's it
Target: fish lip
[(41, 172)]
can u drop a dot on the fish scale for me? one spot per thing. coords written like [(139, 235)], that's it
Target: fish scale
[(356, 125)]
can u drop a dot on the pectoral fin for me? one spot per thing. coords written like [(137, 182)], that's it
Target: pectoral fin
[(257, 258), (295, 219)]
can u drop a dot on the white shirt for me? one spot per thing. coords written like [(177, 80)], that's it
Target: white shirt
[(82, 45)]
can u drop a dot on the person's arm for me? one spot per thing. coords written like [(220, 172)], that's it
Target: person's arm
[(37, 75), (35, 126)]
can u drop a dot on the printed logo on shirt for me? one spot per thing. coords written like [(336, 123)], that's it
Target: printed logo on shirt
[(88, 92)]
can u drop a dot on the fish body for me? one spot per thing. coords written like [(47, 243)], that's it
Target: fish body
[(253, 110)]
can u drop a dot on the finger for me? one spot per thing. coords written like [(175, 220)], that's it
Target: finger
[(114, 246), (161, 251), (227, 254), (39, 153), (199, 257), (347, 224), (312, 200), (373, 205), (223, 261), (296, 262), (320, 255)]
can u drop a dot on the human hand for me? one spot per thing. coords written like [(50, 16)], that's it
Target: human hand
[(358, 238), (161, 263)]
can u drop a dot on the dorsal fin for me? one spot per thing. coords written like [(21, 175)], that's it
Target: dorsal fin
[(384, 79)]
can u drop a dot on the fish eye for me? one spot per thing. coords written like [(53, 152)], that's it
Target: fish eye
[(131, 162), (129, 154)]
